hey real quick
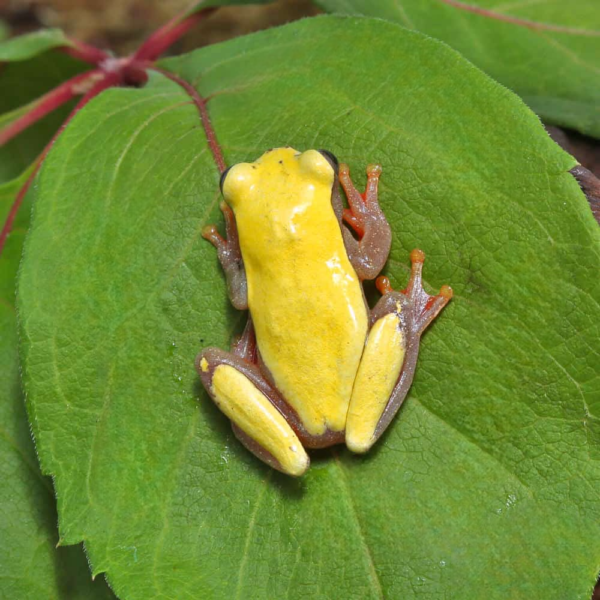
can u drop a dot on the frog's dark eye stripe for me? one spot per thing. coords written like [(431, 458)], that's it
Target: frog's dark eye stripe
[(333, 161), (223, 175)]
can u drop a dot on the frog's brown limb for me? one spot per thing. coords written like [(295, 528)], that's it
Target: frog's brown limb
[(245, 358), (415, 310), (245, 349), (230, 257), (369, 253), (254, 408)]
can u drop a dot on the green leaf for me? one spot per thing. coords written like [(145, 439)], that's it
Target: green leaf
[(30, 564), (30, 45), (547, 51), (485, 484)]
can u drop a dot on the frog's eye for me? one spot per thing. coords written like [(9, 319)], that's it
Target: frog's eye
[(318, 165), (223, 175), (238, 181), (331, 158)]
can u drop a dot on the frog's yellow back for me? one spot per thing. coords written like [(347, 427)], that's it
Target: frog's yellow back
[(305, 298)]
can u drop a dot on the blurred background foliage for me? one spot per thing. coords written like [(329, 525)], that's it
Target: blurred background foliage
[(121, 25)]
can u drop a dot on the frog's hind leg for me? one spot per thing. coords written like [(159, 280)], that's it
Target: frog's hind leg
[(260, 418), (388, 363), (369, 252)]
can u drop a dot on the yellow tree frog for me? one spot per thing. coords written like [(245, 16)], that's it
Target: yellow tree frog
[(314, 366)]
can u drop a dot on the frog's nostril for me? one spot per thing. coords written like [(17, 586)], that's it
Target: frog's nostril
[(223, 175), (333, 161)]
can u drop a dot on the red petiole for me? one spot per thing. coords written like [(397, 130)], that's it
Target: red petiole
[(109, 72), (166, 36), (85, 52), (76, 86)]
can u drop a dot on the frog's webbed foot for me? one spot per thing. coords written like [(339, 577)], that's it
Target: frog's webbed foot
[(260, 419), (230, 257), (389, 360), (422, 307), (369, 253)]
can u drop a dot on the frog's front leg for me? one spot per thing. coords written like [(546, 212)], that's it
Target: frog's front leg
[(261, 420), (230, 257), (388, 363), (369, 253)]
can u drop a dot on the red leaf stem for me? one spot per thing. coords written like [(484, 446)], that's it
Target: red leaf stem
[(109, 80), (167, 35), (76, 86), (85, 52), (200, 103), (110, 72)]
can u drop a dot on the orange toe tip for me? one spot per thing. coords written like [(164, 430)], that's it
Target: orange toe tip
[(209, 231), (374, 170), (446, 292), (382, 283), (343, 169), (417, 256)]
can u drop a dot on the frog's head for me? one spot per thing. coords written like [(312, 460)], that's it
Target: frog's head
[(282, 173)]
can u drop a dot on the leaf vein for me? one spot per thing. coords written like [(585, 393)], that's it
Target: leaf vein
[(251, 525), (534, 25), (374, 576)]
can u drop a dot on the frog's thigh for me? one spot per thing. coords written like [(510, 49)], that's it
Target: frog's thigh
[(376, 378), (265, 431)]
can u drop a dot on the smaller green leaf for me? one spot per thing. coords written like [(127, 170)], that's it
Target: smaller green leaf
[(32, 44)]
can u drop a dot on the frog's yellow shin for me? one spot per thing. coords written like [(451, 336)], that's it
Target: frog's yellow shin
[(252, 412), (377, 375)]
